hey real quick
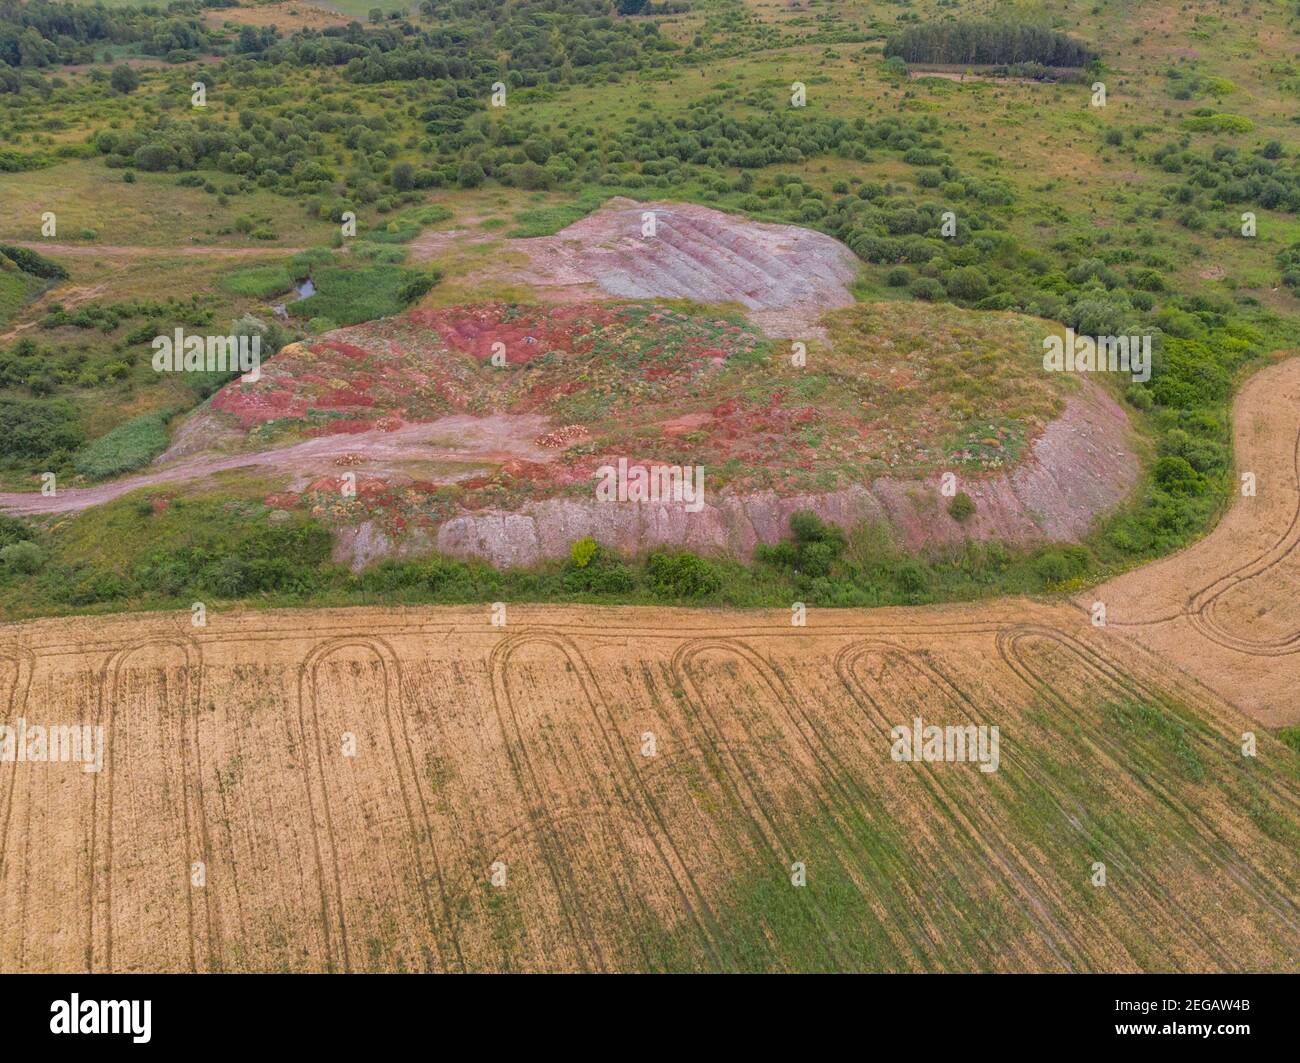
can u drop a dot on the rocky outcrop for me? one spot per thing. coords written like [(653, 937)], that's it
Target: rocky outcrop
[(1079, 467)]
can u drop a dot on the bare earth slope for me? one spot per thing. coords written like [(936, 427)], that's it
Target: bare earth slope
[(785, 276), (1080, 466)]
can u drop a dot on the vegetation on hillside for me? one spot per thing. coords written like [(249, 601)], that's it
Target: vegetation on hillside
[(394, 118)]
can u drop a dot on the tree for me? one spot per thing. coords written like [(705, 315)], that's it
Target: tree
[(376, 16), (470, 174), (403, 177), (124, 79)]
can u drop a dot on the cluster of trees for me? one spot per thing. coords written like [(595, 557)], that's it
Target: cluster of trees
[(987, 41), (547, 43), (41, 33), (1226, 176)]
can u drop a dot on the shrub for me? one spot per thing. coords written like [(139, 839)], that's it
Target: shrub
[(23, 557), (418, 287), (1139, 397), (961, 507), (581, 552), (40, 429), (1176, 475), (926, 288), (815, 547), (967, 283), (1218, 123), (13, 530), (124, 79), (1061, 563), (985, 40), (912, 577), (30, 262), (682, 575), (603, 574), (470, 174)]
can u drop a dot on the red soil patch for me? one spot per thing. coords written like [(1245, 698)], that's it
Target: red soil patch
[(530, 332)]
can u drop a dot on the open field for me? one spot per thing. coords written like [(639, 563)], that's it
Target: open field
[(520, 751), (522, 747)]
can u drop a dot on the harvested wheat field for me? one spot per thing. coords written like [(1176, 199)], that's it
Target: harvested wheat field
[(581, 788), (640, 783)]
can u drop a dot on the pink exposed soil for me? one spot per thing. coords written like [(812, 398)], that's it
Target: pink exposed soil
[(1079, 467), (783, 275)]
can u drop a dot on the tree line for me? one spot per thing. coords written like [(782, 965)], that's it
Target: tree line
[(985, 41)]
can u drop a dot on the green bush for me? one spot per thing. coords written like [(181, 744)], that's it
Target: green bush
[(1058, 564), (23, 558), (226, 556), (40, 429), (962, 506), (1218, 123), (418, 287), (1175, 475), (682, 575), (30, 262), (13, 530), (582, 552)]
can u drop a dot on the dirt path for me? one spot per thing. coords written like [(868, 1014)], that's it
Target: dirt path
[(1228, 607), (66, 297), (138, 251), (467, 442)]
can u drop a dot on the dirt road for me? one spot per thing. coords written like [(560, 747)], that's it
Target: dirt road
[(467, 442), (1228, 607)]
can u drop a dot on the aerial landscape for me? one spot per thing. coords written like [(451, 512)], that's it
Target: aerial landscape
[(632, 486)]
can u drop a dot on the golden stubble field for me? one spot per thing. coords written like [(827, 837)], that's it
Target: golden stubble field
[(592, 788)]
